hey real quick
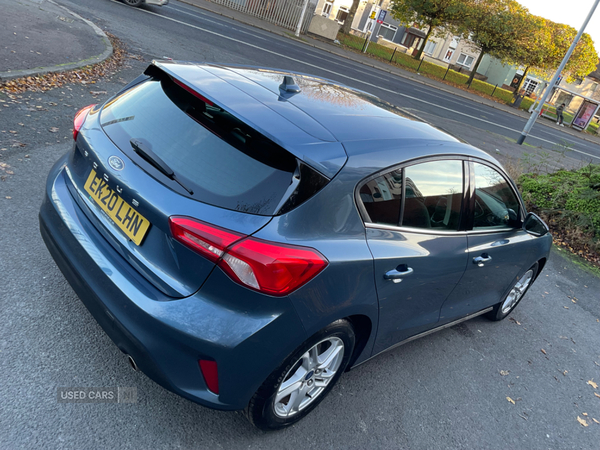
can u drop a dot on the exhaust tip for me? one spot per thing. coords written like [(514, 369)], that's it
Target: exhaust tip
[(132, 363)]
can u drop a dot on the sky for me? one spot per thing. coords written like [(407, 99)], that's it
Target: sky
[(570, 12)]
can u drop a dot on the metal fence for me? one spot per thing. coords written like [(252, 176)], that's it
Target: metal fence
[(285, 13)]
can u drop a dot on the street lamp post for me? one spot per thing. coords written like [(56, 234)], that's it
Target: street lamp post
[(536, 111), (299, 27)]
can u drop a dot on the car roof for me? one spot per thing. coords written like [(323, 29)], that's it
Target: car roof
[(315, 124)]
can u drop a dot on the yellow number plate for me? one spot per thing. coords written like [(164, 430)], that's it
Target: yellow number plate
[(131, 222)]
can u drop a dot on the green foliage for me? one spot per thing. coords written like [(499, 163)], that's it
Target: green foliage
[(569, 200), (429, 14), (498, 28)]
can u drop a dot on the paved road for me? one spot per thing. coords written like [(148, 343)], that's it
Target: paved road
[(181, 31), (448, 390)]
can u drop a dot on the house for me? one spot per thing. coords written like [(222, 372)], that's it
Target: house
[(391, 33), (508, 77), (460, 53)]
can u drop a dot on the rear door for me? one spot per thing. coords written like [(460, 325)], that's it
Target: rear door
[(498, 247), (413, 219)]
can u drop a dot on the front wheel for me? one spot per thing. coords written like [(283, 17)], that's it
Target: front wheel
[(304, 379), (133, 2), (505, 307)]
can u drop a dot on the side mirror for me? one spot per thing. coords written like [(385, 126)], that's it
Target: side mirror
[(534, 225)]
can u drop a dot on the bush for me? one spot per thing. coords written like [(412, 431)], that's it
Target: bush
[(569, 200)]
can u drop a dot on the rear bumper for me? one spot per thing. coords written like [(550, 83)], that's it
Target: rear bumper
[(246, 335), (157, 2)]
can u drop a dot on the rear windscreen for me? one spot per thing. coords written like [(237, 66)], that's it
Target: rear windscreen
[(224, 161)]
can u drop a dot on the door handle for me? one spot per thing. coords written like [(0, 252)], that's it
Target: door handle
[(396, 276), (481, 260)]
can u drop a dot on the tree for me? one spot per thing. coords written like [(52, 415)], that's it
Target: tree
[(536, 47), (498, 28), (350, 17), (584, 58), (434, 14)]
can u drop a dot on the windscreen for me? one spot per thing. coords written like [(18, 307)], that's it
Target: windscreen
[(225, 162)]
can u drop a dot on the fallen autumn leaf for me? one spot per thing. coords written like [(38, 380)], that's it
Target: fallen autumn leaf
[(593, 384), (511, 400), (582, 422)]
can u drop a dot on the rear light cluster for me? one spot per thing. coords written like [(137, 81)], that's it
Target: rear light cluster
[(268, 267), (80, 119)]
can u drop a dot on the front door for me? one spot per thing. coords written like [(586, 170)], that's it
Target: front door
[(497, 245), (419, 253)]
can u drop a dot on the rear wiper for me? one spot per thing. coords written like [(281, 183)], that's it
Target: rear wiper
[(156, 162)]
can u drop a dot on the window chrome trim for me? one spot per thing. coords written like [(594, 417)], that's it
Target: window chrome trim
[(435, 231)]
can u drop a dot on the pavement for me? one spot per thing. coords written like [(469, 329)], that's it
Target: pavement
[(41, 36)]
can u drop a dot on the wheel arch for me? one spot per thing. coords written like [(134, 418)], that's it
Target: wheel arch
[(541, 263), (363, 329)]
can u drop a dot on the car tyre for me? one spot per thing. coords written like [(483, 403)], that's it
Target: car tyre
[(514, 296), (303, 380), (133, 2)]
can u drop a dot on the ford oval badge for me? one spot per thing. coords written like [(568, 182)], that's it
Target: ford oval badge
[(116, 163)]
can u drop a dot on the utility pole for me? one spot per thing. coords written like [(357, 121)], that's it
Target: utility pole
[(536, 112), (304, 7)]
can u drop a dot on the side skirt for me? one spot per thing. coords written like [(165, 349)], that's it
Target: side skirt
[(427, 333)]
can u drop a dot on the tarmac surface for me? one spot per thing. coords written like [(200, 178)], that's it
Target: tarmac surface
[(39, 36), (448, 390)]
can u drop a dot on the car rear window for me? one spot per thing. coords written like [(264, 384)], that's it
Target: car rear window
[(224, 161)]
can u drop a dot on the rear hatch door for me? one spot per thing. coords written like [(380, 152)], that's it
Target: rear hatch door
[(227, 175)]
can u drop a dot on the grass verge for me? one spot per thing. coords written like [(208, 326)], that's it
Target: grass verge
[(569, 202)]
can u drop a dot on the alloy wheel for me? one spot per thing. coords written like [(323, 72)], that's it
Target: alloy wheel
[(309, 377), (517, 292)]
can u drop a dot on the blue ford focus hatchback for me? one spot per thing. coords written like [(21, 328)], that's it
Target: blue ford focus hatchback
[(246, 235)]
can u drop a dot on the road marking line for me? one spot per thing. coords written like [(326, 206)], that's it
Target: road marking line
[(224, 23), (300, 47), (350, 78)]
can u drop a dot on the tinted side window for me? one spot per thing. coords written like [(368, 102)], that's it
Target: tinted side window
[(381, 198), (433, 195), (496, 205)]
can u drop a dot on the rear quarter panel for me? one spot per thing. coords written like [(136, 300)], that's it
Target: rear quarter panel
[(330, 223)]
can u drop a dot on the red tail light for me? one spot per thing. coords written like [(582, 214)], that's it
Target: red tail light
[(210, 374), (80, 119), (269, 267), (208, 240)]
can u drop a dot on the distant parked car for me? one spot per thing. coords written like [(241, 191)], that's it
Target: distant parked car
[(148, 2), (245, 235)]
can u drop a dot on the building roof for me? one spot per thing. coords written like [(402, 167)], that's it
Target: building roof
[(595, 74)]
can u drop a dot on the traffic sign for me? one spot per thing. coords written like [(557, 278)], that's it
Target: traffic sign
[(381, 16)]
